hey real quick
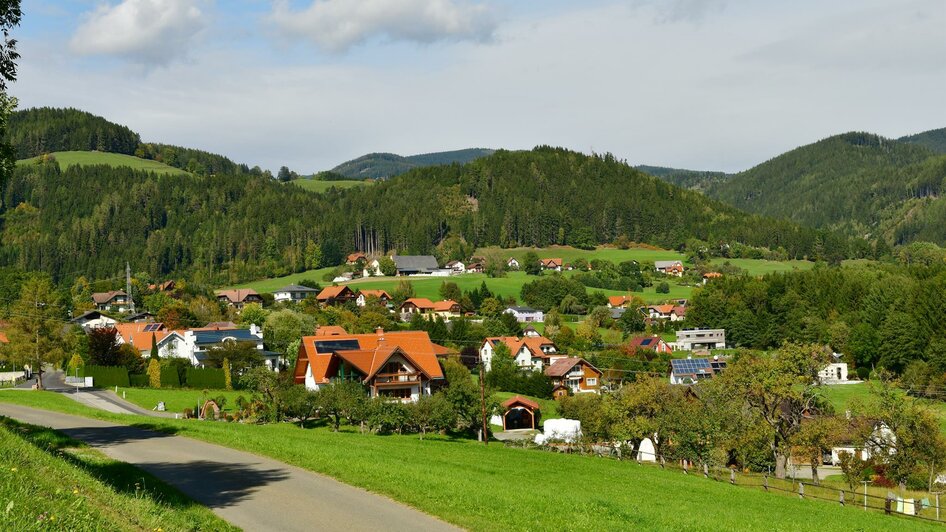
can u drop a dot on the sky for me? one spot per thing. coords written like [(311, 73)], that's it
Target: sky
[(700, 84)]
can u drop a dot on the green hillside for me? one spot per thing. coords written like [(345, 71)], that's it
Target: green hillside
[(384, 165), (691, 179), (92, 158), (857, 183), (934, 139)]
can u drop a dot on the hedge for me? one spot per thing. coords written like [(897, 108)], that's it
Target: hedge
[(212, 378), (106, 376), (139, 381), (170, 378)]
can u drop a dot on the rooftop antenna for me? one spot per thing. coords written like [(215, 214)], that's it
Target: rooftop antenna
[(131, 300)]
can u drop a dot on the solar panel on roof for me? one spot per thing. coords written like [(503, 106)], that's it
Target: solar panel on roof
[(327, 346), (647, 341), (152, 327)]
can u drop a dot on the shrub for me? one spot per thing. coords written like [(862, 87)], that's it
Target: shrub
[(663, 288), (863, 373), (106, 376), (188, 413), (138, 381), (205, 378)]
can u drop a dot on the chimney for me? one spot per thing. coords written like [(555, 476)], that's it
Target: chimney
[(379, 331)]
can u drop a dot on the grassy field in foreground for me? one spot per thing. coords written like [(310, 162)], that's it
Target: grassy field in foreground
[(497, 487), (315, 185), (176, 400), (50, 482), (89, 158)]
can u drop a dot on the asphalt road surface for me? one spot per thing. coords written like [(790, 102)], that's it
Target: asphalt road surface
[(250, 491)]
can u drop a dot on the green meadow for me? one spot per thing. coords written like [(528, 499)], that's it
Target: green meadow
[(315, 185), (498, 487), (92, 158)]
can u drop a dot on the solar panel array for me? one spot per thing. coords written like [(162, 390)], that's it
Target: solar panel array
[(152, 327), (646, 341), (691, 366)]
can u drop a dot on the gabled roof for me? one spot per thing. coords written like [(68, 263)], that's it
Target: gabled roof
[(532, 343), (334, 292), (661, 309), (712, 275), (330, 330), (445, 306), (679, 310), (664, 264), (551, 263), (519, 400), (375, 293), (522, 310), (420, 302), (353, 257), (295, 288), (645, 342), (140, 334), (562, 366), (619, 301), (238, 295), (415, 346), (90, 315), (415, 262), (105, 297)]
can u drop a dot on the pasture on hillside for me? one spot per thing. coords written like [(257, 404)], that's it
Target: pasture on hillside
[(316, 185), (91, 158), (498, 487)]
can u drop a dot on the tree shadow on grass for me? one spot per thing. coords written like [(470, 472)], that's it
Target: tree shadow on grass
[(214, 484)]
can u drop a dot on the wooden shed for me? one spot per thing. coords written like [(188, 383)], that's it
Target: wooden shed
[(520, 413)]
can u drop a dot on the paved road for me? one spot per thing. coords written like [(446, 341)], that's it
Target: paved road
[(250, 491)]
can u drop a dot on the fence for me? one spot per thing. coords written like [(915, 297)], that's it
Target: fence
[(924, 509)]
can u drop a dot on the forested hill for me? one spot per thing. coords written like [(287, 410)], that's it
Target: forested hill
[(222, 229), (691, 179), (41, 130), (934, 139), (858, 183), (384, 165)]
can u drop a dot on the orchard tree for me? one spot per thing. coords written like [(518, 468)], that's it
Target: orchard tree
[(35, 330)]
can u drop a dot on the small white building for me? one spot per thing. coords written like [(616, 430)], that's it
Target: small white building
[(456, 266), (693, 339), (512, 263), (834, 373), (93, 319), (526, 314), (294, 292)]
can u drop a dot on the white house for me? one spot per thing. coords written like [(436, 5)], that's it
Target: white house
[(456, 266), (198, 342), (834, 373), (293, 292), (669, 267), (372, 269), (530, 352), (526, 314), (512, 263), (93, 319), (692, 339)]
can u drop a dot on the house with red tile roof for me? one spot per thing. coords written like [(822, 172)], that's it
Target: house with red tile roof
[(399, 365), (529, 352), (363, 296), (239, 297), (551, 264), (573, 375), (355, 257), (143, 335), (619, 301), (711, 275), (649, 343), (335, 295), (669, 267)]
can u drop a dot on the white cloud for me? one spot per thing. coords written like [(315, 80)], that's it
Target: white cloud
[(152, 32), (337, 25)]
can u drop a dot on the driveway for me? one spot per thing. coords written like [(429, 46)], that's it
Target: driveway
[(250, 491)]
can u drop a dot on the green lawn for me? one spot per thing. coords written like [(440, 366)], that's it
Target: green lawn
[(315, 185), (89, 158), (496, 487), (267, 286), (51, 482), (176, 400), (840, 396), (756, 267), (568, 253)]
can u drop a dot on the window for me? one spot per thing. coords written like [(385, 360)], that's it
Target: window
[(591, 382)]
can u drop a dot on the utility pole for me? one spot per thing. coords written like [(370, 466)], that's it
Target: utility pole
[(865, 494), (131, 300), (485, 427), (39, 364)]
